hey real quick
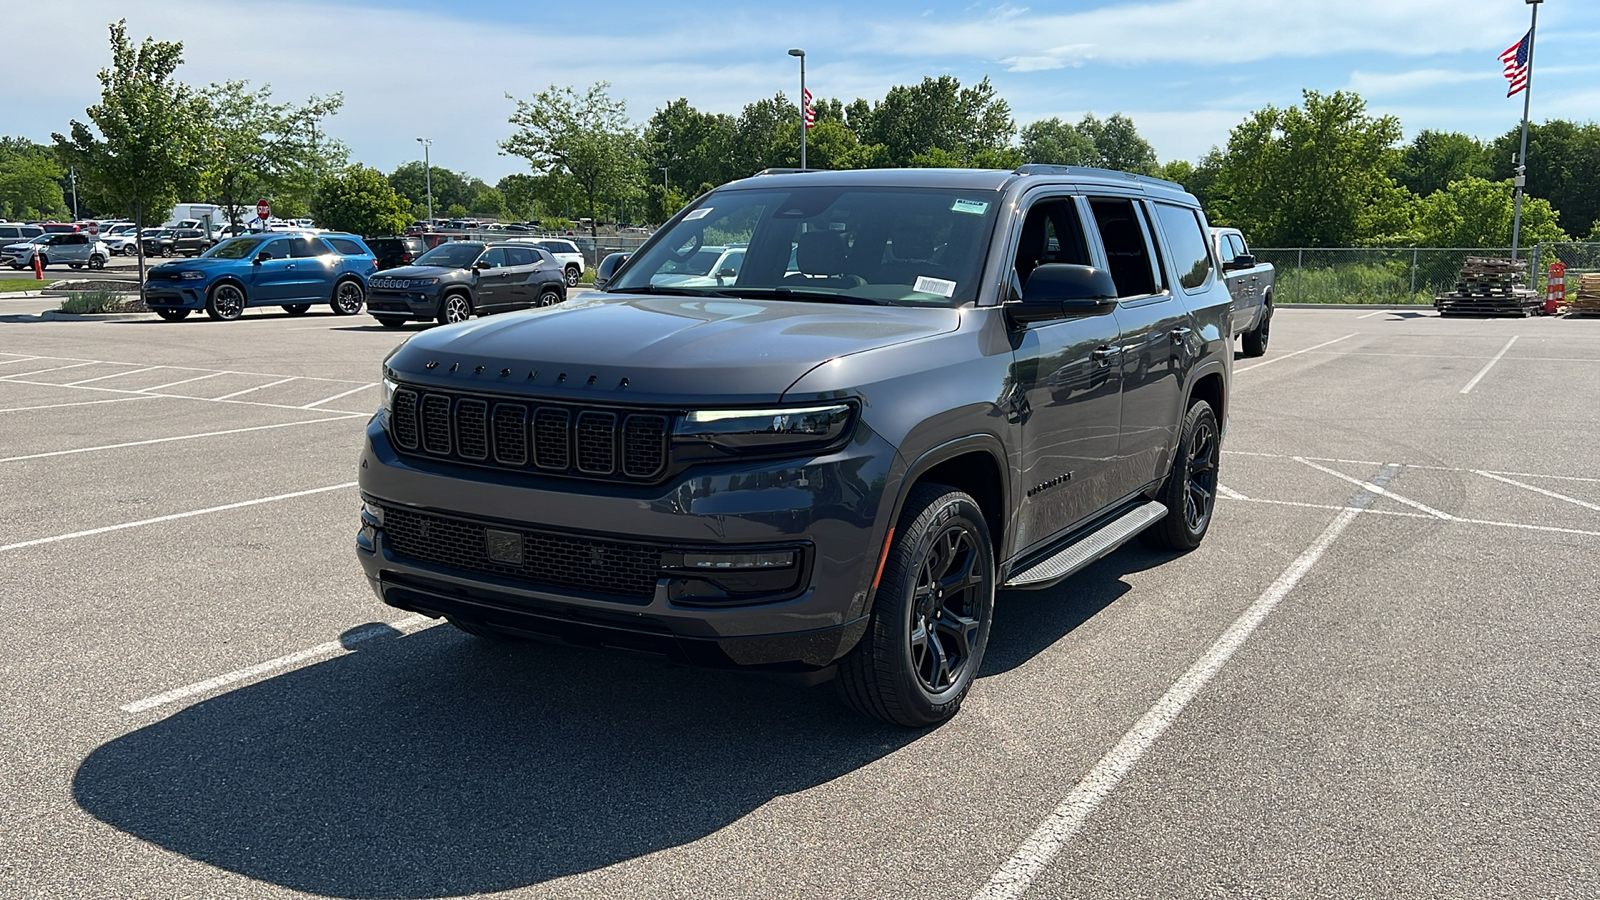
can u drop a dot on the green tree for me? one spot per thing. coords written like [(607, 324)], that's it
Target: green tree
[(937, 114), (694, 147), (360, 200), (1117, 144), (410, 181), (486, 201), (1475, 212), (586, 137), (148, 147), (1057, 143), (256, 148), (30, 181), (1563, 165), (1306, 176), (1433, 159)]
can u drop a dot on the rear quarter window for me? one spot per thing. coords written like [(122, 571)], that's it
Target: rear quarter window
[(1186, 245), (347, 246)]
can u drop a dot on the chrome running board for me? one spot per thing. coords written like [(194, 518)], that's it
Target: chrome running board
[(1076, 556)]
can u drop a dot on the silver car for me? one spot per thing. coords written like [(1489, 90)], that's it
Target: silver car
[(76, 250)]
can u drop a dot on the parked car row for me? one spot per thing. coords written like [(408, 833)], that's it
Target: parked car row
[(73, 249)]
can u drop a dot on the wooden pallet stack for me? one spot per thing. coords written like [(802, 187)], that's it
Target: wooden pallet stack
[(1490, 286), (1587, 302)]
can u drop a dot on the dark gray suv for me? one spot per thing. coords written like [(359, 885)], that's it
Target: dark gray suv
[(920, 386), (456, 279)]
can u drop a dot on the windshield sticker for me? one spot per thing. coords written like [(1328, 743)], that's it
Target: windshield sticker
[(975, 207), (700, 213), (935, 285)]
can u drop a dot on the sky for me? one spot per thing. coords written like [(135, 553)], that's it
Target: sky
[(1185, 71)]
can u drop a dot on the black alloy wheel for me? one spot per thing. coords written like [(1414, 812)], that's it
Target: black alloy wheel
[(548, 297), (173, 315), (454, 308), (1190, 491), (97, 262), (297, 309), (348, 296), (930, 616), (225, 302)]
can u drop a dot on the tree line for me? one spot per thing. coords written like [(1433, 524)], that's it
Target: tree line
[(1326, 172)]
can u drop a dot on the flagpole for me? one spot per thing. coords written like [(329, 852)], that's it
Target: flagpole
[(1522, 157), (801, 55)]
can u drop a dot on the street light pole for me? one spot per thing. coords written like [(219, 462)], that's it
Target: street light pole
[(427, 174), (801, 55), (665, 185), (72, 174)]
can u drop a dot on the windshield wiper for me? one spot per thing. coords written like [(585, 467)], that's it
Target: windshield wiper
[(782, 293), (670, 290)]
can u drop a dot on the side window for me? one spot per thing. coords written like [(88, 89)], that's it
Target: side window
[(521, 256), (346, 246), (278, 249), (1235, 246), (1240, 245), (1052, 233), (1127, 250), (495, 257), (1186, 244)]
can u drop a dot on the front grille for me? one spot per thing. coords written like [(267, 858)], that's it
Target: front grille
[(550, 559), (512, 434)]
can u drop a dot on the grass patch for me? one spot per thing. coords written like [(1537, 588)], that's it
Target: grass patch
[(587, 277), (85, 302), (22, 284)]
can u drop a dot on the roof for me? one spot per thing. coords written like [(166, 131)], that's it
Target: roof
[(961, 179)]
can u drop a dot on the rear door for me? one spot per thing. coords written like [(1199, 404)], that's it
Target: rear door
[(1152, 346), (524, 272), (313, 269)]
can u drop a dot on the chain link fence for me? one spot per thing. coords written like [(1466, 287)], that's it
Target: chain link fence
[(1357, 275)]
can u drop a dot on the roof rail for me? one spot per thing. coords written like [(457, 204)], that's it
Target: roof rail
[(1044, 169), (786, 171)]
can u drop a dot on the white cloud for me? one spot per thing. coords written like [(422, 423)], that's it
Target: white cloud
[(1378, 84)]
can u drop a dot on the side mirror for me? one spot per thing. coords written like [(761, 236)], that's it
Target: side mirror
[(1062, 291), (1242, 261), (262, 257), (607, 269), (729, 272), (483, 265)]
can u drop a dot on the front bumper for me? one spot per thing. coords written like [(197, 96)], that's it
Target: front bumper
[(414, 304), (828, 505), (175, 294)]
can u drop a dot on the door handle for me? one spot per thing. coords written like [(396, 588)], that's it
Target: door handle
[(289, 266)]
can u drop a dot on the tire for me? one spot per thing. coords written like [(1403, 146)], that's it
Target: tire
[(391, 321), (74, 266), (454, 308), (1255, 340), (922, 648), (166, 252), (1190, 491), (348, 296), (225, 302), (548, 297), (44, 262), (173, 315), (97, 262), (297, 309), (573, 274)]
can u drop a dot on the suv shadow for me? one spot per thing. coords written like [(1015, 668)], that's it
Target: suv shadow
[(436, 764)]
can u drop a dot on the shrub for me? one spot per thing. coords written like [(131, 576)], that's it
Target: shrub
[(95, 301)]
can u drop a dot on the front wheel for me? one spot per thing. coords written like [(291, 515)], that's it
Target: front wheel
[(930, 614), (455, 308), (348, 297), (225, 302), (391, 321), (173, 315), (297, 309), (1255, 340), (1190, 491)]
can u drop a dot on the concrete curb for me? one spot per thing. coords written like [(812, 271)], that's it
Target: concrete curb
[(1369, 306), (56, 315)]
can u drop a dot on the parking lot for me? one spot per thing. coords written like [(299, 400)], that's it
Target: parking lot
[(1377, 676)]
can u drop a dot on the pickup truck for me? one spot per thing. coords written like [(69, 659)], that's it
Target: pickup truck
[(916, 387), (1251, 285)]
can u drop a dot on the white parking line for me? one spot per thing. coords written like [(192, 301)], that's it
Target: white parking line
[(1378, 313), (180, 437), (1426, 468), (337, 396), (1016, 875), (20, 359), (175, 516), (1376, 489), (1539, 490), (1225, 491), (162, 387), (16, 375), (79, 403), (331, 648), (1485, 370), (256, 388), (113, 362), (1296, 353), (150, 392), (114, 375)]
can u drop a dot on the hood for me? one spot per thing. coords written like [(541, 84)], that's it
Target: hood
[(419, 271), (200, 262), (670, 350)]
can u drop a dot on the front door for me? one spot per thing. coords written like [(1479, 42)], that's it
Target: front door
[(1070, 386), (271, 274), (495, 293)]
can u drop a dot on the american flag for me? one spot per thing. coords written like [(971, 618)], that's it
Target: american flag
[(811, 114), (1516, 60)]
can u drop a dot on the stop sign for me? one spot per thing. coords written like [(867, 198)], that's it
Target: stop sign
[(94, 229), (263, 210)]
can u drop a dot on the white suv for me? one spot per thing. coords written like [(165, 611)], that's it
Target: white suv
[(568, 254), (76, 249)]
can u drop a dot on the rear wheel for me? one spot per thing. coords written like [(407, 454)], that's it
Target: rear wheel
[(1190, 491), (348, 296), (930, 614), (166, 252), (390, 321), (297, 309), (455, 308), (1255, 340), (573, 274), (548, 297), (225, 302), (173, 315), (97, 262)]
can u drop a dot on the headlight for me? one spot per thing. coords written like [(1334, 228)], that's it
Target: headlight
[(422, 282), (766, 428), (389, 385), (191, 276)]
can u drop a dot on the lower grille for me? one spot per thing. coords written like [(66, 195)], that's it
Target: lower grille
[(549, 559)]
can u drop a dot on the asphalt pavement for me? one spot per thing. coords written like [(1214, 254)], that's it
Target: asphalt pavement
[(1376, 677)]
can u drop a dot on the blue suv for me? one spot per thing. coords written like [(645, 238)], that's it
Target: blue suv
[(293, 271)]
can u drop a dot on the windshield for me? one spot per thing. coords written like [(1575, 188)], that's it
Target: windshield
[(454, 255), (921, 247), (235, 248)]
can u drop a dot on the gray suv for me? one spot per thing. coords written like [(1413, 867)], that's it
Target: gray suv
[(454, 280), (919, 387)]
